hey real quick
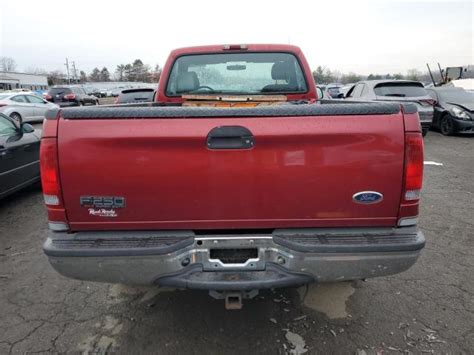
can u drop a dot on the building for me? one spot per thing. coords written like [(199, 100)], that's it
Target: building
[(12, 80)]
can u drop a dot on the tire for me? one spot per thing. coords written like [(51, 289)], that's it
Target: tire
[(80, 103), (96, 102), (446, 125), (424, 132), (15, 116)]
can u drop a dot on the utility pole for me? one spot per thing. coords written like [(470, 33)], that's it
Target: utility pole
[(67, 68), (74, 72)]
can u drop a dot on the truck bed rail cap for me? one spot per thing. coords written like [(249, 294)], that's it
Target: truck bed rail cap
[(145, 111), (51, 114)]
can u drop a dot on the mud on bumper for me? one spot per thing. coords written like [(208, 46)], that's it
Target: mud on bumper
[(234, 262)]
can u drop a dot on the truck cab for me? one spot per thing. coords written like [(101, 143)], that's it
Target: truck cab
[(239, 73)]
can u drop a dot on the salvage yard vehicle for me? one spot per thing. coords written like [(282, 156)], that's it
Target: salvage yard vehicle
[(19, 155), (344, 90), (236, 179), (24, 107), (454, 110), (69, 96), (334, 89), (135, 95), (397, 91)]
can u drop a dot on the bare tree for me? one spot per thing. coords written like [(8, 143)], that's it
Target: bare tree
[(56, 77), (413, 74), (95, 75), (82, 76), (156, 74), (7, 64), (120, 72), (104, 74)]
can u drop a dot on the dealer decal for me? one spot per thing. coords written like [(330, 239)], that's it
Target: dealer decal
[(102, 212), (102, 206)]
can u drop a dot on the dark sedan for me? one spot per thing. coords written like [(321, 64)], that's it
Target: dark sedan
[(454, 110), (402, 91), (67, 96), (19, 155)]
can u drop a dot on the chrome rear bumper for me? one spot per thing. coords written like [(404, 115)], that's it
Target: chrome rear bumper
[(283, 258)]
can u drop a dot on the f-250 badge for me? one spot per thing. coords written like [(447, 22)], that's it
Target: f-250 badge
[(102, 201), (102, 206)]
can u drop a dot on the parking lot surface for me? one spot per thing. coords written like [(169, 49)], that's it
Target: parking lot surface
[(428, 309)]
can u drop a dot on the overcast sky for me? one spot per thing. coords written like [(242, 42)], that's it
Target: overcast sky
[(360, 36)]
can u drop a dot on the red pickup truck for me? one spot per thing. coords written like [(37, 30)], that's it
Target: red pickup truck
[(236, 179)]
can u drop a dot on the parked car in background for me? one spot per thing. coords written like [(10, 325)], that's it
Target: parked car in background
[(454, 110), (89, 90), (398, 91), (19, 155), (334, 89), (466, 84), (96, 92), (103, 92), (40, 93), (322, 93), (128, 96), (344, 90), (24, 106), (66, 96), (115, 92)]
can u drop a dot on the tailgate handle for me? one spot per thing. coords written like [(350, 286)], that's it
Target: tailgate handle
[(230, 137)]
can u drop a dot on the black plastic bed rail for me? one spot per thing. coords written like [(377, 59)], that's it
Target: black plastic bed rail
[(153, 111)]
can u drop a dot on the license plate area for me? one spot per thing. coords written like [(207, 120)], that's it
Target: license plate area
[(231, 253), (234, 255)]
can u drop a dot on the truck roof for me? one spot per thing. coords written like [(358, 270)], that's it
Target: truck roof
[(238, 47)]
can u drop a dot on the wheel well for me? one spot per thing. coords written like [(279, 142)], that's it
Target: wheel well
[(15, 113), (440, 117)]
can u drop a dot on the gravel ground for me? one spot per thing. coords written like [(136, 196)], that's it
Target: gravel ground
[(426, 309)]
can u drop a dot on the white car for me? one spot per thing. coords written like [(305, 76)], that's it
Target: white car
[(24, 106)]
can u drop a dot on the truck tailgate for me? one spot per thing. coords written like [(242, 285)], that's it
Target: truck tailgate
[(301, 171)]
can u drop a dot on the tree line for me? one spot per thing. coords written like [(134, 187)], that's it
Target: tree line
[(137, 71), (323, 75)]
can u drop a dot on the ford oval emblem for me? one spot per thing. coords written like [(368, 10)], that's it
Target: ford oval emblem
[(367, 197)]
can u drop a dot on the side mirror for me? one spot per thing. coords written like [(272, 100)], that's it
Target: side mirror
[(27, 128), (340, 95)]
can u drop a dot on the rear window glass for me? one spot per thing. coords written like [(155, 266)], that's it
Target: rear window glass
[(59, 91), (136, 96), (236, 73), (400, 89)]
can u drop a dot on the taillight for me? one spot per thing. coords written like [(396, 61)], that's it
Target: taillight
[(70, 96), (50, 172), (47, 97), (413, 166)]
